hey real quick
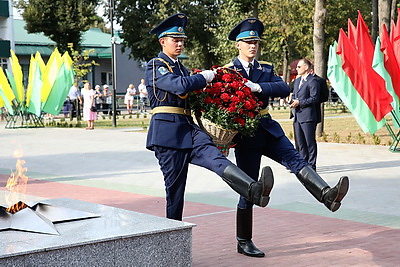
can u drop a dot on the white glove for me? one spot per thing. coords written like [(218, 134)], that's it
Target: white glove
[(255, 87), (208, 75)]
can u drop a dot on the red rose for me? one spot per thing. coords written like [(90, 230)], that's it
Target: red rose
[(208, 100), (217, 101), (239, 120), (246, 90), (247, 105), (215, 91), (240, 94), (195, 71), (231, 109), (226, 77), (235, 85), (225, 97), (217, 85), (235, 100)]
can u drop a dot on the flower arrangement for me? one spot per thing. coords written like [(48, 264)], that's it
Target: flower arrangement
[(227, 102)]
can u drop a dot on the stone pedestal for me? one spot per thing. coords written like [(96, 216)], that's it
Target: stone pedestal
[(117, 238)]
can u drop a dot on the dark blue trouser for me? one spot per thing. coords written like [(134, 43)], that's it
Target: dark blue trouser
[(304, 133), (174, 165), (278, 149)]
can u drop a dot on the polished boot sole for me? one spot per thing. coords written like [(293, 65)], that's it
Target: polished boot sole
[(267, 180), (343, 187)]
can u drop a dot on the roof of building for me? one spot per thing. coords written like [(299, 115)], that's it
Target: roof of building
[(28, 43)]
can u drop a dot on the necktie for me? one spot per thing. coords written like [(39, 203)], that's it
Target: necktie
[(250, 71), (179, 67)]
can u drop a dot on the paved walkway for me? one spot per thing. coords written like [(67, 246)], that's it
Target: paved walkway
[(112, 167)]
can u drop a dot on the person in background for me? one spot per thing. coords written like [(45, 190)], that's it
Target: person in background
[(129, 97), (74, 97), (143, 96), (173, 136), (98, 97), (107, 99), (88, 103), (307, 112), (269, 139)]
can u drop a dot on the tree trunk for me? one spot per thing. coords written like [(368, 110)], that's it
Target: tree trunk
[(393, 10), (384, 7), (285, 64), (375, 20), (319, 53)]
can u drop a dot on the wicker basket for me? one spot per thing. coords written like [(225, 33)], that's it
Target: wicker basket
[(220, 136)]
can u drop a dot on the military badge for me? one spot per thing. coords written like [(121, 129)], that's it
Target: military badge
[(180, 29), (162, 70), (252, 33)]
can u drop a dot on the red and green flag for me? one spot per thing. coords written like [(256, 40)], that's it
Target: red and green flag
[(365, 80), (349, 95), (379, 66)]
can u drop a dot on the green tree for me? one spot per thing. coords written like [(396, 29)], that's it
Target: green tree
[(63, 21), (288, 27), (137, 18), (82, 64)]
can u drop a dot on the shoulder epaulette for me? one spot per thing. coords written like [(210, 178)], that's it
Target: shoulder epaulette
[(163, 61), (265, 63), (228, 65)]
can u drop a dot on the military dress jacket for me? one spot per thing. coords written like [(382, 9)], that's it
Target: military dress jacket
[(272, 86), (167, 84)]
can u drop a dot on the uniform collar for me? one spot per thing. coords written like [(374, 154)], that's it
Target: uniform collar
[(244, 63), (257, 69), (167, 58)]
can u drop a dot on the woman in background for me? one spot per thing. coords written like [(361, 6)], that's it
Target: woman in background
[(130, 92), (88, 104)]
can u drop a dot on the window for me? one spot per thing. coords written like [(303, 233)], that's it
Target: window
[(3, 63), (106, 78)]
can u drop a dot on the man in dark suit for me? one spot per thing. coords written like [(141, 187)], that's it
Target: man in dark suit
[(269, 139), (172, 134), (307, 112)]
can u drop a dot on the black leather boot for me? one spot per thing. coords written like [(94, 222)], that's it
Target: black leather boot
[(331, 197), (254, 191), (244, 231)]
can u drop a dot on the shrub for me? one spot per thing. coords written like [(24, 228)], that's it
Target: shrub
[(376, 139), (336, 138), (361, 139)]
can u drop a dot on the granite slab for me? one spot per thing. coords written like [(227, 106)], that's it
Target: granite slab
[(116, 238)]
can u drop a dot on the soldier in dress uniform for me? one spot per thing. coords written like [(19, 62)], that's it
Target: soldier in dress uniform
[(173, 136), (269, 139)]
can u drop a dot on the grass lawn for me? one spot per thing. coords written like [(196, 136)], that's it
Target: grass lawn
[(339, 125)]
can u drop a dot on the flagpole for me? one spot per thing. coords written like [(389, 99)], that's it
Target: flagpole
[(113, 66)]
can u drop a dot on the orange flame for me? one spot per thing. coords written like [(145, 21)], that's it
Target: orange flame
[(16, 184), (17, 207)]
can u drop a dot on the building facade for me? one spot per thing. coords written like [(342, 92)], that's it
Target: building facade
[(14, 36)]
